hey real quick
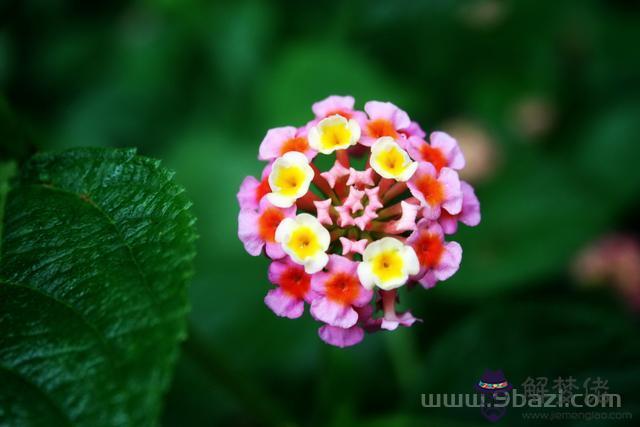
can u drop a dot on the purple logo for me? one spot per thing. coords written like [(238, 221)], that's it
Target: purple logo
[(493, 387)]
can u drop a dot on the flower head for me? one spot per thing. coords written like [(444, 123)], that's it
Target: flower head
[(438, 259), (389, 160), (289, 179), (293, 289), (340, 291), (387, 264), (334, 133), (385, 119), (442, 151), (305, 240), (348, 239), (252, 190), (436, 190), (282, 140), (257, 229)]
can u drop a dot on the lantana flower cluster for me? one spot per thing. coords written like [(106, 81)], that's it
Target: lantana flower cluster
[(344, 240)]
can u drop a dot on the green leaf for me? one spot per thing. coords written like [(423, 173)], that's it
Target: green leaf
[(7, 169), (96, 257)]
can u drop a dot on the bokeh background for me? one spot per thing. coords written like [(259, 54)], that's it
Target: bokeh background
[(543, 96)]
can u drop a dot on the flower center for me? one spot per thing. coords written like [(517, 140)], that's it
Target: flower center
[(433, 156), (388, 265), (335, 136), (431, 189), (295, 282), (304, 242), (429, 249), (342, 288), (381, 127), (392, 161), (295, 144), (289, 180), (268, 222)]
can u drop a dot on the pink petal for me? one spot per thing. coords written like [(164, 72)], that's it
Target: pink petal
[(274, 250), (428, 280), (449, 223), (364, 297), (413, 147), (414, 129), (424, 168), (450, 261), (470, 214), (247, 193), (283, 304), (402, 319), (248, 232), (276, 268), (341, 264), (449, 147), (318, 281), (386, 110), (271, 145), (341, 337), (332, 313), (332, 104), (452, 192)]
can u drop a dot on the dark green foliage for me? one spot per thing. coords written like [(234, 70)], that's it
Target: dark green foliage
[(197, 83), (96, 255)]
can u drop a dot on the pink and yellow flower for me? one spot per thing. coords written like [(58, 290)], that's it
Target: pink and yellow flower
[(340, 291), (289, 179), (337, 105), (252, 190), (436, 191), (257, 229), (305, 240), (387, 264), (385, 119), (438, 259), (334, 133), (345, 240), (282, 140), (293, 290), (389, 160), (443, 151)]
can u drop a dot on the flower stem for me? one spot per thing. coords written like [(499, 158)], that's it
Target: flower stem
[(385, 184), (395, 209), (343, 157), (323, 185), (396, 190), (389, 304), (336, 233), (306, 202)]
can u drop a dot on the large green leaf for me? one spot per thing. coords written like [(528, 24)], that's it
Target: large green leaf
[(96, 256)]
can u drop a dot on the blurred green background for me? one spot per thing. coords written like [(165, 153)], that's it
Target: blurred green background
[(544, 97)]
